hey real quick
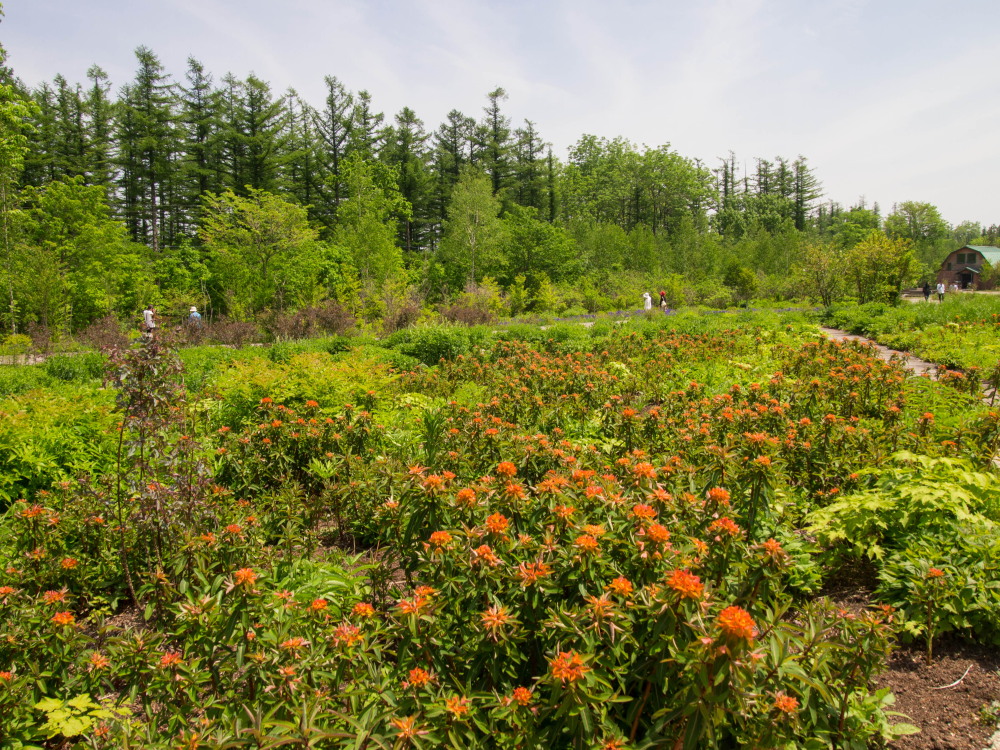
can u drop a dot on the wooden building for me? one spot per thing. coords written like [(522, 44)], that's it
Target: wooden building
[(964, 266)]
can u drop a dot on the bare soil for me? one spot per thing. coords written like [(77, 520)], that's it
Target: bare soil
[(949, 717)]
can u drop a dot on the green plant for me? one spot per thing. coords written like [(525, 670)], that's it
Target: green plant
[(76, 716)]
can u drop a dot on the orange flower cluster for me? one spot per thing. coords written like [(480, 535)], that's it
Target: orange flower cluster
[(63, 618), (737, 624), (245, 577), (688, 585), (532, 573), (497, 523), (568, 666), (621, 586)]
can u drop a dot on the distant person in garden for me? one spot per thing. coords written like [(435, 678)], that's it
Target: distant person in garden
[(927, 291), (194, 319), (663, 299), (647, 301), (149, 320), (940, 291)]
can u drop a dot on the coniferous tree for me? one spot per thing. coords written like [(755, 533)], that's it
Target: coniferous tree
[(201, 167), (100, 132), (366, 134), (333, 125), (494, 138), (406, 150), (148, 150), (529, 168)]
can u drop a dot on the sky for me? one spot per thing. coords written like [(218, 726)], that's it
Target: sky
[(888, 100)]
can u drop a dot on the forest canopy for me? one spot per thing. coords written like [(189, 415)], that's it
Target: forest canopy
[(224, 193)]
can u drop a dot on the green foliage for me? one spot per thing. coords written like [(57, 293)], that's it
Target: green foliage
[(914, 496), (432, 343), (75, 716), (304, 376), (878, 266), (265, 254)]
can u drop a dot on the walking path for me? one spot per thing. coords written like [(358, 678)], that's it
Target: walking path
[(914, 364), (917, 365)]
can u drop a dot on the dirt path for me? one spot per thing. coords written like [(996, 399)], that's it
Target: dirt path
[(917, 365)]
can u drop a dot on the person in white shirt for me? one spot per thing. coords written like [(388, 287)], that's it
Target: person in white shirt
[(149, 320), (940, 291), (647, 301)]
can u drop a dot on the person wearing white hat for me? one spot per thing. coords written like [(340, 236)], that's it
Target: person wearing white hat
[(194, 319)]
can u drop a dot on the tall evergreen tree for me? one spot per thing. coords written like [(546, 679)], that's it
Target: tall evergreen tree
[(333, 125), (495, 141), (100, 131), (148, 149), (406, 151), (201, 167), (529, 168), (366, 134)]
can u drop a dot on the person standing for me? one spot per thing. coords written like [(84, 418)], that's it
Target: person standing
[(194, 319), (940, 291), (927, 291), (663, 300), (149, 320), (647, 301)]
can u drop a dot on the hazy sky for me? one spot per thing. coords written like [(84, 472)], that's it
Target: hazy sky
[(892, 100)]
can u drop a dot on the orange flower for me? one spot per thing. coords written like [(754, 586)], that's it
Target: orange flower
[(294, 644), (688, 585), (440, 539), (457, 706), (497, 523), (433, 483), (935, 573), (318, 605), (643, 512), (736, 623), (465, 498), (63, 618), (235, 529), (593, 529), (408, 728), (8, 676), (346, 634), (725, 525), (621, 586), (643, 470), (568, 666), (54, 597), (170, 659), (68, 563), (287, 672), (521, 696), (506, 469), (245, 577), (564, 511), (484, 553), (586, 543), (658, 533), (719, 495), (772, 549), (6, 591), (531, 573), (786, 704), (363, 609), (98, 661), (419, 677), (494, 619)]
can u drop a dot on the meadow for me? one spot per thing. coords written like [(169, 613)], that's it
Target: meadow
[(615, 536)]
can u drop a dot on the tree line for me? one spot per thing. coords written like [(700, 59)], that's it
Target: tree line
[(224, 193)]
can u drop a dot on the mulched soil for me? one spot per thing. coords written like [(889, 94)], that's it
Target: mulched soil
[(950, 717)]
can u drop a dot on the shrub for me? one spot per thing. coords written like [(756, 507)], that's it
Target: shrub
[(232, 332), (76, 367), (104, 334), (432, 343)]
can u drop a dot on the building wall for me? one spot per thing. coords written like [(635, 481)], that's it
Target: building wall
[(953, 275)]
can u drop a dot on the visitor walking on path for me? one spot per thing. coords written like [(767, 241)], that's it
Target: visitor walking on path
[(940, 291), (149, 321), (927, 291)]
